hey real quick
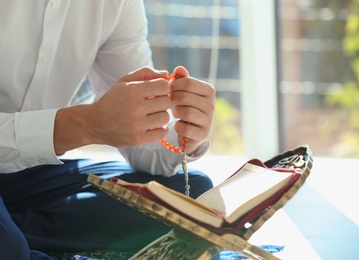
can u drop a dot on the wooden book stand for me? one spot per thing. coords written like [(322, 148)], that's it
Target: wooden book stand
[(189, 240)]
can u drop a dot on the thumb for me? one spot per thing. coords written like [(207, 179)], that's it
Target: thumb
[(180, 72)]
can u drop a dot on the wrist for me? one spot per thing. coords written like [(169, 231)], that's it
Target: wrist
[(72, 128)]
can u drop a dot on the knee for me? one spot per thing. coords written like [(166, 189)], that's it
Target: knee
[(199, 183), (13, 244)]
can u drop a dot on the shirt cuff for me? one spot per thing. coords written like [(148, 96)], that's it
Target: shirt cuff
[(34, 134)]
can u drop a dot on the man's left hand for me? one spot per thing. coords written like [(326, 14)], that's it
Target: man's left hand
[(194, 104)]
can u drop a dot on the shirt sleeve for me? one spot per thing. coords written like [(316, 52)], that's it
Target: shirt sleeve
[(124, 50), (153, 158), (27, 140)]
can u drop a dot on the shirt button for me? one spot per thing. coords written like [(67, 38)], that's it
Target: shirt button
[(42, 161), (44, 59), (53, 4)]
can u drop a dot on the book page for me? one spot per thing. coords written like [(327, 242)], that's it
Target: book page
[(252, 184), (174, 200)]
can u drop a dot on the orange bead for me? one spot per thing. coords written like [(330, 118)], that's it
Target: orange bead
[(174, 148)]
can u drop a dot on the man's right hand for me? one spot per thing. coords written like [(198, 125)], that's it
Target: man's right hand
[(131, 113)]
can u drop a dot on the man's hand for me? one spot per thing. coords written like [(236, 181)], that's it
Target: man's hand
[(131, 113), (194, 102)]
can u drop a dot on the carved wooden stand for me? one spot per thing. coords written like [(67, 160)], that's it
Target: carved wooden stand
[(188, 240)]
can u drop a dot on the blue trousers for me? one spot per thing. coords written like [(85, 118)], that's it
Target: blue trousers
[(52, 208)]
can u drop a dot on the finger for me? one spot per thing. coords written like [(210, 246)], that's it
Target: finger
[(180, 72), (192, 132), (145, 73), (151, 88), (157, 104), (148, 136), (194, 86), (150, 129), (190, 114), (181, 99), (184, 98), (156, 120), (155, 134)]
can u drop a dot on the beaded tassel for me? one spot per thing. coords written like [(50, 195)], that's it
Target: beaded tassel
[(179, 150), (182, 153)]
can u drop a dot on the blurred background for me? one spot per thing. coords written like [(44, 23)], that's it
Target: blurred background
[(286, 74), (306, 83)]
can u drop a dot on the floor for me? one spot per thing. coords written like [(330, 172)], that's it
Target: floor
[(320, 222)]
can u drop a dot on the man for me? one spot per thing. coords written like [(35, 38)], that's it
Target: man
[(47, 48)]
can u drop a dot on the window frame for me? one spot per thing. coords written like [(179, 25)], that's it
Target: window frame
[(259, 70)]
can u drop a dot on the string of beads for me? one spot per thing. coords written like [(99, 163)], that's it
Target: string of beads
[(179, 150), (174, 148)]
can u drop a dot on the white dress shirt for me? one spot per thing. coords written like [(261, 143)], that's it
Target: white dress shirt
[(46, 50)]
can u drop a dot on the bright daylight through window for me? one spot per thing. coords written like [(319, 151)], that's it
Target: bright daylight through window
[(317, 67)]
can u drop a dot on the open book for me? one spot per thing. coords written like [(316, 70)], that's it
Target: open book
[(223, 218), (229, 205)]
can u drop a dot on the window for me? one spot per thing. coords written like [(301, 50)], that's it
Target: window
[(203, 36), (319, 87), (285, 71)]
